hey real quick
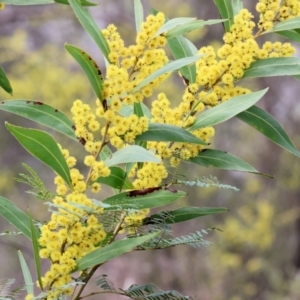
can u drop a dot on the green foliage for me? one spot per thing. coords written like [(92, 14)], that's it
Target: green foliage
[(226, 110), (41, 113), (222, 160), (89, 24), (141, 199), (42, 145), (111, 251), (170, 67), (4, 83), (5, 292), (15, 216), (38, 188), (268, 126), (140, 158), (207, 182), (131, 154), (89, 67), (152, 292), (26, 273), (168, 133)]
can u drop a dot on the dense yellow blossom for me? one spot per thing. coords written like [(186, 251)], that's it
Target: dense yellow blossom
[(74, 229)]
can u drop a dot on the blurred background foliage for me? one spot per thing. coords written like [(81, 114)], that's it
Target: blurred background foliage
[(256, 252)]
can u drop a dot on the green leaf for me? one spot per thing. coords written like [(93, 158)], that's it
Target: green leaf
[(226, 110), (268, 126), (105, 153), (115, 249), (41, 113), (90, 68), (27, 2), (222, 160), (173, 23), (269, 67), (192, 47), (170, 67), (190, 26), (168, 133), (130, 154), (297, 77), (290, 34), (83, 2), (138, 14), (180, 48), (4, 82), (237, 6), (91, 27), (226, 12), (141, 199), (117, 179), (128, 110), (39, 2), (183, 214), (26, 274), (293, 23), (42, 145), (36, 248), (15, 216), (138, 110)]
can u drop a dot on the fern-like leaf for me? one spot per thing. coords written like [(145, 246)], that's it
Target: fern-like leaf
[(207, 182), (105, 284), (33, 180), (195, 240), (5, 289), (152, 292)]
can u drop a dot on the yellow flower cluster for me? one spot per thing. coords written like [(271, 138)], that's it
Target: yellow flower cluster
[(276, 11), (2, 6), (74, 230), (131, 65), (217, 72), (71, 233), (179, 116)]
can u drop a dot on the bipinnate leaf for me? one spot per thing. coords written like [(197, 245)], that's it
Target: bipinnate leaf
[(138, 14), (90, 68), (15, 216), (180, 48), (26, 274), (225, 9), (117, 179), (268, 126), (115, 249), (4, 82), (41, 113), (36, 249), (42, 146), (168, 133), (141, 199), (222, 160), (131, 154), (182, 214), (269, 67), (190, 26), (226, 110), (170, 67), (91, 27)]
